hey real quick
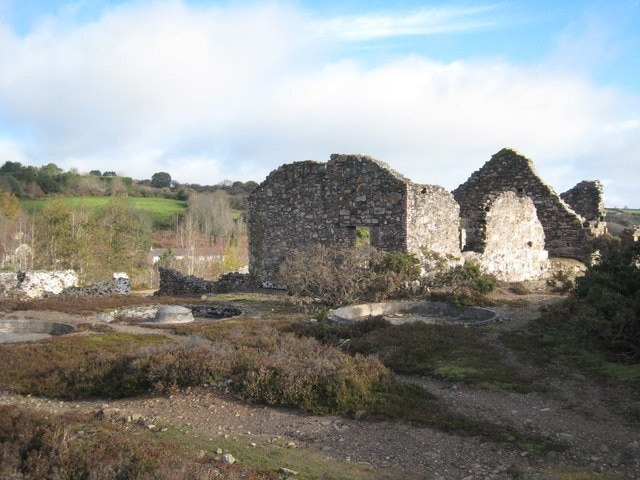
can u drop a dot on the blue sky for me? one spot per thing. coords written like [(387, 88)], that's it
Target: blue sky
[(214, 90)]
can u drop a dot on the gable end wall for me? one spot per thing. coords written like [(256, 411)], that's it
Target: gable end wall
[(565, 232)]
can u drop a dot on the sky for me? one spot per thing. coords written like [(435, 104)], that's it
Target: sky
[(229, 90)]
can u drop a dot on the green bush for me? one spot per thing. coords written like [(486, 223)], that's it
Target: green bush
[(604, 306), (464, 284)]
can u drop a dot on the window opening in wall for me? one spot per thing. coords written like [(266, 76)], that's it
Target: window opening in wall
[(363, 237)]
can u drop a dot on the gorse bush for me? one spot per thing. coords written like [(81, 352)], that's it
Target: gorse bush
[(604, 306)]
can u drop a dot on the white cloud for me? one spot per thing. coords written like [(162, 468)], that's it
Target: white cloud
[(10, 151), (426, 21), (217, 93)]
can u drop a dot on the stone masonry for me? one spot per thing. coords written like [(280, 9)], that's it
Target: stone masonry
[(308, 202), (513, 245), (586, 200), (505, 217), (173, 283), (566, 231)]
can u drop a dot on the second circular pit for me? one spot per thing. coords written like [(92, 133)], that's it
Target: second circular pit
[(397, 313), (26, 330)]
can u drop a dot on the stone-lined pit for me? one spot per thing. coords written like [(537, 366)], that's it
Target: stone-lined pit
[(26, 330), (398, 313)]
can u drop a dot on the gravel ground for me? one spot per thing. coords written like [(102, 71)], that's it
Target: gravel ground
[(589, 419)]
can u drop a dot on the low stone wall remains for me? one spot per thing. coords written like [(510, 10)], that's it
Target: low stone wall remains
[(174, 283), (121, 285)]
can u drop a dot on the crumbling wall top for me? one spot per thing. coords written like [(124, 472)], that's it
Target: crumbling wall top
[(586, 199), (340, 158)]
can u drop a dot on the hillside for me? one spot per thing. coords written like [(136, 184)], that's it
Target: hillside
[(620, 218), (158, 209)]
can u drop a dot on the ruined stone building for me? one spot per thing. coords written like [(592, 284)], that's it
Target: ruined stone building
[(567, 219), (303, 203), (504, 217)]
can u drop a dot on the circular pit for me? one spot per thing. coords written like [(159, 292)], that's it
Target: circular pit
[(397, 313), (24, 330)]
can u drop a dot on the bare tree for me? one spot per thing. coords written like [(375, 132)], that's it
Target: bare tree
[(190, 241)]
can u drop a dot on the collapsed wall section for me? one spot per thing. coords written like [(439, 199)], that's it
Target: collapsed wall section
[(306, 203), (565, 230)]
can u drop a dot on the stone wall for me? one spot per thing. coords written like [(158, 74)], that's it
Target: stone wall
[(36, 284), (173, 283), (504, 216), (565, 230), (305, 203), (433, 224), (513, 243), (586, 200), (121, 285)]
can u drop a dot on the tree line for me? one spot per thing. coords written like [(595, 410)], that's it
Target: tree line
[(27, 182)]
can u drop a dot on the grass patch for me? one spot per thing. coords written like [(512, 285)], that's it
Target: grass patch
[(70, 366), (267, 366), (89, 304), (157, 209), (271, 454), (551, 344), (452, 353)]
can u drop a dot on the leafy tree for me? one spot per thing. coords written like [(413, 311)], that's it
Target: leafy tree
[(93, 244), (97, 173), (9, 204), (61, 238), (124, 237), (161, 180)]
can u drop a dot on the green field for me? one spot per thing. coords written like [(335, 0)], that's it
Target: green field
[(158, 209)]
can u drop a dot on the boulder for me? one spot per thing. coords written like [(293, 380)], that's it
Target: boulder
[(173, 314)]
